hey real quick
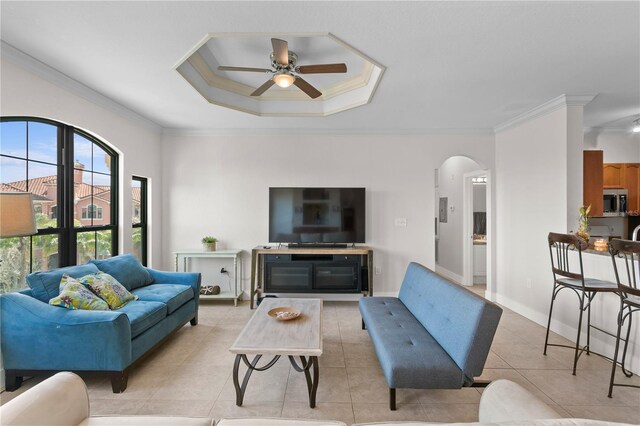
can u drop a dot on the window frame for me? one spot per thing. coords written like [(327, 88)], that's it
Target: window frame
[(65, 229), (144, 220)]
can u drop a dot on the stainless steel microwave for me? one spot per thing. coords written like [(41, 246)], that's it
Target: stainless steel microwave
[(614, 202)]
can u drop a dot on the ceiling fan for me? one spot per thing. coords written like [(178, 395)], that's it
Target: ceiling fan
[(285, 71)]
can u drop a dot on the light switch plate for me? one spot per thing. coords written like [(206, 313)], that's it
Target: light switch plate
[(401, 221)]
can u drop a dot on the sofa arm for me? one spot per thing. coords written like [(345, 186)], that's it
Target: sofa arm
[(38, 336), (59, 400), (504, 400), (184, 278)]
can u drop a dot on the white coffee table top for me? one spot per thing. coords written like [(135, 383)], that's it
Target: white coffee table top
[(267, 336)]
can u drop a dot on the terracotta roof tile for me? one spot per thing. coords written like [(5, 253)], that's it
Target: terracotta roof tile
[(38, 186)]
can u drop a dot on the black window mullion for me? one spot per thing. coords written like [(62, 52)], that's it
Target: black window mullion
[(64, 203), (143, 218), (68, 199), (114, 204)]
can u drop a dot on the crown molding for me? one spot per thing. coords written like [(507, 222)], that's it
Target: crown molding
[(609, 130), (56, 77), (547, 107), (319, 131)]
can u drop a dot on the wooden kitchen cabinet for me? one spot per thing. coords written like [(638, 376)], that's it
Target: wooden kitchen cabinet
[(613, 175), (631, 182), (592, 181)]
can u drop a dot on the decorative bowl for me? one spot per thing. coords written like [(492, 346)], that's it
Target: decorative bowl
[(284, 313)]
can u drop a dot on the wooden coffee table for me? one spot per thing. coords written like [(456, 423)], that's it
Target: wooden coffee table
[(264, 335)]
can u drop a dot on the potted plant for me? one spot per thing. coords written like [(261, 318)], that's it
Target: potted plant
[(209, 243), (583, 223)]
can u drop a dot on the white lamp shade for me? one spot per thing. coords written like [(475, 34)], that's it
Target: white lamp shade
[(17, 218)]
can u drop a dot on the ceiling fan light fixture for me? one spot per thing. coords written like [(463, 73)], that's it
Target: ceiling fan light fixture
[(284, 79)]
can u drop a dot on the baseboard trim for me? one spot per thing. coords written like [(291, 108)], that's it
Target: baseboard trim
[(458, 279), (604, 347)]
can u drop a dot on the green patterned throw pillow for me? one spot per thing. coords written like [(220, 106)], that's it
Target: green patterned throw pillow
[(108, 289), (74, 295)]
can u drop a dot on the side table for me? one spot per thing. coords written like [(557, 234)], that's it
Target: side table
[(236, 255)]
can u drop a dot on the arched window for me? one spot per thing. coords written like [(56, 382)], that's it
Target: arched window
[(65, 168)]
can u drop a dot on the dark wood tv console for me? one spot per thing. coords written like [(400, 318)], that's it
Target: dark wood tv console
[(311, 270)]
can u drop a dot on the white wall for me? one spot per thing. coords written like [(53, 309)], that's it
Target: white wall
[(617, 146), (28, 90), (450, 243), (536, 183), (531, 198), (218, 184)]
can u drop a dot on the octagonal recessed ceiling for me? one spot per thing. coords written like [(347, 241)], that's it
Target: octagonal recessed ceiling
[(232, 89)]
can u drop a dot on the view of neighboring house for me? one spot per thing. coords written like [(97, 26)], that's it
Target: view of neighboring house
[(92, 202)]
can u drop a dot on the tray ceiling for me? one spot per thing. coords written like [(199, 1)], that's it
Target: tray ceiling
[(233, 89)]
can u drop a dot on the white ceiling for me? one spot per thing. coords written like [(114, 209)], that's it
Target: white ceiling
[(450, 65), (232, 89)]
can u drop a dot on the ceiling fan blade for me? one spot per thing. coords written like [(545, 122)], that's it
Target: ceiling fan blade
[(260, 90), (281, 51), (224, 68), (307, 88), (321, 69)]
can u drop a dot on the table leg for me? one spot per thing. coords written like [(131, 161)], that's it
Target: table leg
[(236, 383), (253, 277), (312, 382), (240, 390), (316, 375), (370, 271)]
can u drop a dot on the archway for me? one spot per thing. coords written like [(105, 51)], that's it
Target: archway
[(463, 223)]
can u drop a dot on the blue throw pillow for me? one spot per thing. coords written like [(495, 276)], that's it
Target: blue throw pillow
[(126, 269), (45, 285)]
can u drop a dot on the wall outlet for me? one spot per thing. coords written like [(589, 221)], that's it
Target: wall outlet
[(378, 270), (528, 282), (401, 222)]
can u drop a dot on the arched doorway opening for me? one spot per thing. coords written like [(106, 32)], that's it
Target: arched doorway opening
[(463, 222)]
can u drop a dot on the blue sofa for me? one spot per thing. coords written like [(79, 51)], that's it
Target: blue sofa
[(38, 338), (434, 335)]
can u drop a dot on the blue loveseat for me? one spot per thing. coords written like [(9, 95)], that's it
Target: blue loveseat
[(38, 338), (434, 335)]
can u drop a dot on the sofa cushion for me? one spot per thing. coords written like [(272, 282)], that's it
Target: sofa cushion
[(74, 295), (108, 289), (147, 421), (173, 295), (126, 269), (409, 356), (143, 315), (273, 421), (462, 322), (45, 285)]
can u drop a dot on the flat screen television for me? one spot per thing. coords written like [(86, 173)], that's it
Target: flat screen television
[(318, 216)]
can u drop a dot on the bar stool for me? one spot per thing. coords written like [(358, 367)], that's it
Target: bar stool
[(629, 294), (564, 277)]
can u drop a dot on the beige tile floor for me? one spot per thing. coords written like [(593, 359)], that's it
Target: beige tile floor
[(191, 375)]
